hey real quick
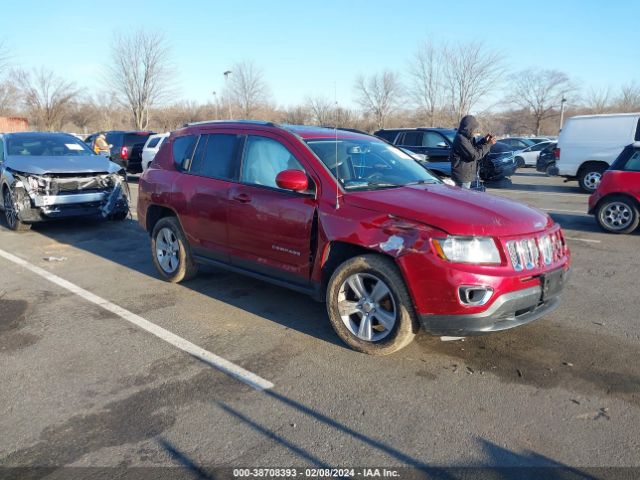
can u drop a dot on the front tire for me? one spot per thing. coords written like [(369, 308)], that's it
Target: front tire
[(170, 251), (618, 214), (369, 306), (520, 162), (10, 202)]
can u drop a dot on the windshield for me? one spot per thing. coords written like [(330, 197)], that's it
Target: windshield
[(369, 164), (51, 145)]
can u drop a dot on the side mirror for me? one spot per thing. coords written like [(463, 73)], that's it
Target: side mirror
[(442, 145), (295, 180)]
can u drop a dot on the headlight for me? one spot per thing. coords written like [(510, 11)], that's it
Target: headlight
[(468, 249)]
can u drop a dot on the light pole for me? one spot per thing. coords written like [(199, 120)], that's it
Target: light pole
[(226, 83), (215, 103), (562, 102)]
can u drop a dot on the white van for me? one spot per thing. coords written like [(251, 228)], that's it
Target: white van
[(151, 148), (588, 144)]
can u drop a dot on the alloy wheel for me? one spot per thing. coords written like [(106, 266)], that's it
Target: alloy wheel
[(367, 307), (9, 209), (167, 248), (617, 216)]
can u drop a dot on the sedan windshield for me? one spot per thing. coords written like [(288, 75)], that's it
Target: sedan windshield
[(50, 145), (369, 164)]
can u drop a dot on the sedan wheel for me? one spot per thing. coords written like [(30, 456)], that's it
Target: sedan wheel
[(618, 215), (11, 212), (367, 307)]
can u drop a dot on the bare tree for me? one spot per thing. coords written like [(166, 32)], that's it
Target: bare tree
[(470, 72), (46, 97), (247, 87), (322, 110), (378, 95), (140, 73), (629, 98), (297, 115), (598, 100), (539, 91), (8, 97), (426, 80)]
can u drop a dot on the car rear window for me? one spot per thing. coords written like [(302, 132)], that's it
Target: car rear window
[(153, 142), (135, 138), (183, 150)]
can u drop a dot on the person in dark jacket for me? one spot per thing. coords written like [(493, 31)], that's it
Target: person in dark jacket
[(466, 152)]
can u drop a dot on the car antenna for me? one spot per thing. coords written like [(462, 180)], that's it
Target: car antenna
[(335, 130)]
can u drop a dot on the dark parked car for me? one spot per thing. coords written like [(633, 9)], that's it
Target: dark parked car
[(54, 175), (355, 223), (434, 142), (498, 164), (546, 162), (126, 147), (440, 141)]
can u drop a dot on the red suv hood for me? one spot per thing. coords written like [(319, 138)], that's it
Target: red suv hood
[(454, 210)]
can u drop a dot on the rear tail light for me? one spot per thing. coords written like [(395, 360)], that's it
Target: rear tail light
[(124, 153), (556, 153)]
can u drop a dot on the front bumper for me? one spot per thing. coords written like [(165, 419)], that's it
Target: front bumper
[(508, 311)]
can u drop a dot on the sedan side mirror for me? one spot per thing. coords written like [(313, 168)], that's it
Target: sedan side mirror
[(295, 180)]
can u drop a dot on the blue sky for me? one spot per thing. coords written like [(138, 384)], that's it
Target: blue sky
[(306, 48)]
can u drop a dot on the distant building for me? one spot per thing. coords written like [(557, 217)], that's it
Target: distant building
[(13, 124)]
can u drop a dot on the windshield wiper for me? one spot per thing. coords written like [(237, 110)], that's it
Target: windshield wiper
[(373, 183)]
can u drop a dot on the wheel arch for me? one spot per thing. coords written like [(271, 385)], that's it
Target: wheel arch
[(155, 213), (587, 163), (611, 195)]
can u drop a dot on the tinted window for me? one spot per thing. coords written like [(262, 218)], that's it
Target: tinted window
[(539, 146), (114, 139), (633, 164), (153, 142), (183, 149), (1, 151), (37, 144), (412, 139), (638, 132), (135, 138), (264, 158), (215, 156), (389, 136), (432, 140)]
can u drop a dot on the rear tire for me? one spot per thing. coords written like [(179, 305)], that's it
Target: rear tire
[(618, 214), (10, 202), (171, 252), (369, 306), (590, 176)]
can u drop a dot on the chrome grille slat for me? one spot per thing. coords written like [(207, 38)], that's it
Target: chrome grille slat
[(529, 253)]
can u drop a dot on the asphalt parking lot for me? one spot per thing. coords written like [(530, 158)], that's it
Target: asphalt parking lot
[(84, 385)]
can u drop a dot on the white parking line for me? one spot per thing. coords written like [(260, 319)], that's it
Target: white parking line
[(588, 240), (207, 357), (529, 192), (581, 212)]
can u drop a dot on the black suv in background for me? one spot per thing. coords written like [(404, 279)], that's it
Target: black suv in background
[(126, 148), (434, 142)]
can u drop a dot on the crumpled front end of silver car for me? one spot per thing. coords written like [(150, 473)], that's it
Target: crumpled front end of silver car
[(65, 195)]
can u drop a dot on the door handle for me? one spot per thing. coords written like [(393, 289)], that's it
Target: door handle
[(242, 198)]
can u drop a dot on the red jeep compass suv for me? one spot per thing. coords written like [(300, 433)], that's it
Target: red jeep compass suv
[(354, 221)]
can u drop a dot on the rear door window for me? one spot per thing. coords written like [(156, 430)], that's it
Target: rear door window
[(135, 138), (412, 139), (216, 156), (637, 137)]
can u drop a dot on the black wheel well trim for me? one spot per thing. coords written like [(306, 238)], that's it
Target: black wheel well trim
[(583, 165), (157, 212), (608, 196), (340, 252)]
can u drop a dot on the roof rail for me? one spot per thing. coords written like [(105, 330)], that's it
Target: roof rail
[(218, 122)]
